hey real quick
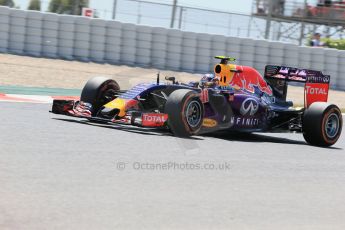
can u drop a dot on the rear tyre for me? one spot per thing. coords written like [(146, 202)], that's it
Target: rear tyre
[(98, 91), (322, 124), (185, 112)]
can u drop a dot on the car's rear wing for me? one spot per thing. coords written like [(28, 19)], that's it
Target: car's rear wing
[(316, 83)]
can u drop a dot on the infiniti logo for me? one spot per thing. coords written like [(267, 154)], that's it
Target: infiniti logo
[(249, 107)]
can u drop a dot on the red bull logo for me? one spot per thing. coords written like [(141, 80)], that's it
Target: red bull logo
[(241, 77)]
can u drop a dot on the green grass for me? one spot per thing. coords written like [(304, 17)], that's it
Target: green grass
[(39, 91)]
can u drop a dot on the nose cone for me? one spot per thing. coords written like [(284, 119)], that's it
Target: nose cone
[(119, 104), (122, 105)]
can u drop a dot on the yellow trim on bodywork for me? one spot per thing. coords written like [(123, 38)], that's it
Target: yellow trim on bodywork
[(118, 103)]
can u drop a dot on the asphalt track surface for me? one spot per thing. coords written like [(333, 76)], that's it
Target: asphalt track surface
[(60, 173)]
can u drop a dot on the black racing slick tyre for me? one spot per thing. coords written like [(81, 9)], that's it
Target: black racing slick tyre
[(185, 112), (98, 91), (322, 124)]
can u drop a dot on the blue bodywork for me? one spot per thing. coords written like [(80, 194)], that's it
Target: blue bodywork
[(231, 109)]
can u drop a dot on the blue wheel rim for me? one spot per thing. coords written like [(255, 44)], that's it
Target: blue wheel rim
[(332, 125), (193, 114)]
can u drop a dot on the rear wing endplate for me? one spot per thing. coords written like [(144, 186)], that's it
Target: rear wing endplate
[(316, 83)]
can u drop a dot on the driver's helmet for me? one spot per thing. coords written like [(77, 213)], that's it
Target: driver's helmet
[(206, 78)]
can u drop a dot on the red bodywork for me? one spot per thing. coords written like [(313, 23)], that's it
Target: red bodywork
[(315, 92), (247, 78), (154, 119)]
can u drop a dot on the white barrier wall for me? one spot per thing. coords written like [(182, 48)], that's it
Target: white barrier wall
[(33, 40), (17, 31), (113, 42), (50, 33), (79, 38), (4, 28), (82, 37)]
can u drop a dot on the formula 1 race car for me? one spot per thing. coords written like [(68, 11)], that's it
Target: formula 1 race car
[(234, 98)]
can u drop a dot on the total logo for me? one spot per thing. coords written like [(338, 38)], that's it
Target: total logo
[(156, 118), (249, 107), (317, 91)]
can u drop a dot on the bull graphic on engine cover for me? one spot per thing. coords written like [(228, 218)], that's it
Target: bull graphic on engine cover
[(241, 77)]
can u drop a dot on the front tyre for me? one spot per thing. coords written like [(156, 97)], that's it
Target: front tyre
[(185, 112), (322, 124), (98, 91)]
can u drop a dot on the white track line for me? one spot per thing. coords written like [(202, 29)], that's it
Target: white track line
[(29, 102)]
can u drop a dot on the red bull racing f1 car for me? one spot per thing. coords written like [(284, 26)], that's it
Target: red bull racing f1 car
[(234, 97)]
